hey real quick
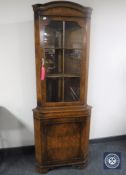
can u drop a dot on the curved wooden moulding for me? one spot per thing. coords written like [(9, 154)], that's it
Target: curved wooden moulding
[(63, 8)]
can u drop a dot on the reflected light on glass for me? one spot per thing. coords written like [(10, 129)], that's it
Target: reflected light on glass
[(45, 34), (44, 18), (45, 40)]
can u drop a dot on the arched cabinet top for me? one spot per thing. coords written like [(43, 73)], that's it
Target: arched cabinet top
[(62, 8)]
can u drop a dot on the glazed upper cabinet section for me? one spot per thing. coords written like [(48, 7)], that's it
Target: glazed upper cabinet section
[(61, 44)]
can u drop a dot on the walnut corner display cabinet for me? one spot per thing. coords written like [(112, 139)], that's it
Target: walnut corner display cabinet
[(62, 116)]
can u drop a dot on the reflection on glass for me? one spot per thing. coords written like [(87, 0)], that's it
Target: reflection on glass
[(52, 36), (54, 89), (73, 35), (72, 89), (53, 60), (72, 61)]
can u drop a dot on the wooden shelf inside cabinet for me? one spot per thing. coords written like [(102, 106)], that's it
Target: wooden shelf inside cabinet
[(62, 116), (56, 48), (61, 75), (53, 48)]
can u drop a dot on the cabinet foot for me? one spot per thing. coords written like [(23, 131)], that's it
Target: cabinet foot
[(43, 170), (81, 166)]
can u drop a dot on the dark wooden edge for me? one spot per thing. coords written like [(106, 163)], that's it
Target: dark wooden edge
[(25, 150), (62, 109), (65, 163), (75, 165), (67, 4)]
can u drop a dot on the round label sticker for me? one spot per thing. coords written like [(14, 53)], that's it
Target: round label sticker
[(112, 160)]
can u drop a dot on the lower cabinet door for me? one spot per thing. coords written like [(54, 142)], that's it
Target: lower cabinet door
[(65, 140)]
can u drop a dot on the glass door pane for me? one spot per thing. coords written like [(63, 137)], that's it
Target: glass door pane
[(54, 89), (72, 89), (52, 35), (62, 52), (52, 39), (72, 60), (53, 61), (73, 35)]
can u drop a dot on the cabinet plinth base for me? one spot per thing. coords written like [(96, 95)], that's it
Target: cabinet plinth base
[(61, 138), (80, 166), (42, 170), (45, 169)]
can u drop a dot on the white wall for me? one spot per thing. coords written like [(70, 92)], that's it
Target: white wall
[(107, 73)]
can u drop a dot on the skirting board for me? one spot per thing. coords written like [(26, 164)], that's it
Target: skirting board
[(107, 139), (31, 149)]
